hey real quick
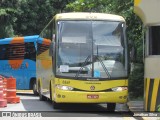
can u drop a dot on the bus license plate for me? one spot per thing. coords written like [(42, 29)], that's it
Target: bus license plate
[(92, 96)]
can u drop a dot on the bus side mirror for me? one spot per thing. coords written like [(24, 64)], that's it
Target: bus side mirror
[(51, 49)]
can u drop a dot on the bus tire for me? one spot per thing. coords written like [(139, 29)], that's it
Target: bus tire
[(35, 92), (111, 107), (55, 105), (41, 97), (50, 92)]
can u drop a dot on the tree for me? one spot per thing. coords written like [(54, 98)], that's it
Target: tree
[(36, 14), (86, 6), (134, 32), (8, 11), (119, 7)]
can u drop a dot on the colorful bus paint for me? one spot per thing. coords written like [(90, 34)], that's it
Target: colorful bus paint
[(18, 59)]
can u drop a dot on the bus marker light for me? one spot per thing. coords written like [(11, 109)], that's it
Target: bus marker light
[(59, 96), (61, 87), (118, 89), (63, 96), (120, 97)]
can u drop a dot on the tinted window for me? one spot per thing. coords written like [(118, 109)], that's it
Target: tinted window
[(42, 48), (154, 40), (18, 51)]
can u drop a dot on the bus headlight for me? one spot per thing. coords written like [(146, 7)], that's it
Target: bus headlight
[(118, 89), (62, 87)]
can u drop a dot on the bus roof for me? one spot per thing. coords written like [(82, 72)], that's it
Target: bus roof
[(44, 41), (19, 39), (88, 16)]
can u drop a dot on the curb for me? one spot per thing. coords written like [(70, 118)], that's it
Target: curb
[(136, 106)]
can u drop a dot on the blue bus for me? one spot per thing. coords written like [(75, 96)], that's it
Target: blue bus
[(18, 59)]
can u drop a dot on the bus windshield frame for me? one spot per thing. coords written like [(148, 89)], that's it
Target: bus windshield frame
[(83, 45)]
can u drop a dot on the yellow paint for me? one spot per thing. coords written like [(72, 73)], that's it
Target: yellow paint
[(81, 97), (146, 93), (45, 60), (85, 85), (46, 64), (138, 10), (137, 2), (84, 90), (154, 94)]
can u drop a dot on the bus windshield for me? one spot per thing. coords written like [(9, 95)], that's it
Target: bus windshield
[(91, 49)]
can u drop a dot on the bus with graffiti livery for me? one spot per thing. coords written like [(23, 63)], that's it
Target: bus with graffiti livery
[(18, 59), (87, 59)]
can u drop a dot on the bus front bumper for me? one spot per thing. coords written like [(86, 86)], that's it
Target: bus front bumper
[(62, 96)]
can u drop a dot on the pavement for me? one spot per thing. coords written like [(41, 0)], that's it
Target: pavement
[(136, 106)]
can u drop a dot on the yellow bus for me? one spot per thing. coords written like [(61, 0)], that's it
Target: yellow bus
[(86, 60)]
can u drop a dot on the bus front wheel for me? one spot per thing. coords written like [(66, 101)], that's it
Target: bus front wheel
[(41, 97), (111, 107), (35, 88), (55, 105)]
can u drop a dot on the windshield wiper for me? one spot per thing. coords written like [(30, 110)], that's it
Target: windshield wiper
[(104, 67), (85, 62)]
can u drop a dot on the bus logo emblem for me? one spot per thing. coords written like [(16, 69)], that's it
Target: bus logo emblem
[(92, 87)]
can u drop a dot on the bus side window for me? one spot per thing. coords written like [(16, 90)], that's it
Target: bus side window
[(2, 52), (30, 51)]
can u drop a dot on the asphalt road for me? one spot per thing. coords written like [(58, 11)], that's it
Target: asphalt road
[(29, 102)]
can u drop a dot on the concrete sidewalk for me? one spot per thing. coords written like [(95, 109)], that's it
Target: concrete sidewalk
[(136, 106)]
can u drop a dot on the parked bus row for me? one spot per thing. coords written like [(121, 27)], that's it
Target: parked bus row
[(77, 58)]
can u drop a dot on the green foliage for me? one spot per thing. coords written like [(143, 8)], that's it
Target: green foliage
[(158, 108), (8, 11), (28, 17), (119, 7), (35, 15), (136, 81), (134, 33), (86, 6)]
